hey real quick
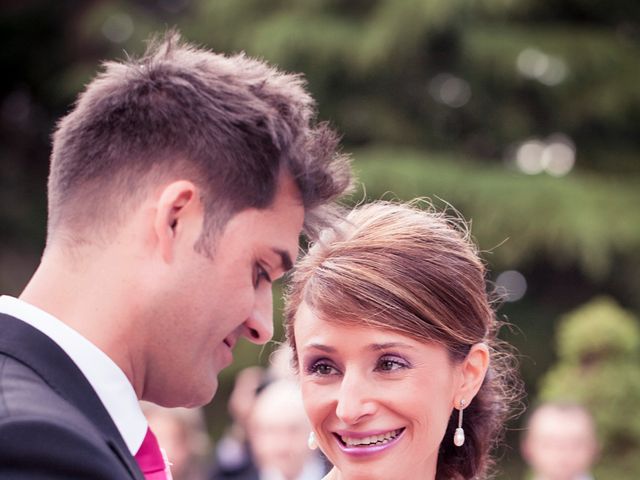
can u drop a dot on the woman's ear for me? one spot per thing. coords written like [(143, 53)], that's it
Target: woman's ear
[(178, 210), (473, 370)]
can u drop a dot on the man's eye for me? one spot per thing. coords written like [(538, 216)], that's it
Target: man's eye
[(261, 274)]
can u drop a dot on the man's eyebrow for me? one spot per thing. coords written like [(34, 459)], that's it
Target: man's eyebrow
[(285, 259)]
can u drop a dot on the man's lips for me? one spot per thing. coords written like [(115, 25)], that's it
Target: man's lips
[(229, 342)]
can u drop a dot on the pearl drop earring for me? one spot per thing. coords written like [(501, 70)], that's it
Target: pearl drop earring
[(311, 442), (458, 437)]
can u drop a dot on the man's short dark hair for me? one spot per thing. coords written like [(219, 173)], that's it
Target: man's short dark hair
[(231, 124)]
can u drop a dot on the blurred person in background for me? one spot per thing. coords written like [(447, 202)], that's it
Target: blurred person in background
[(277, 430), (183, 435), (233, 456), (560, 442), (281, 364)]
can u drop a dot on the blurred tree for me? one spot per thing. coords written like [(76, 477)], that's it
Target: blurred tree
[(599, 367), (535, 85), (472, 77), (520, 219)]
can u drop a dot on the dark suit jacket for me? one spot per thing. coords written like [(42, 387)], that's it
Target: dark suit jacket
[(52, 423)]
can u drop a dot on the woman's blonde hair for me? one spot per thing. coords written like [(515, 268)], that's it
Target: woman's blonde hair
[(415, 272)]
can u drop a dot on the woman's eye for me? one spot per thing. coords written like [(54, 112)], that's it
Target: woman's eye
[(322, 369), (389, 364)]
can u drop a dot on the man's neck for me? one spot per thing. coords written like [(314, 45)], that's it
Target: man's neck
[(86, 301)]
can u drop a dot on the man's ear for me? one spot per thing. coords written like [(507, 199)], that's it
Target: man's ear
[(473, 370), (178, 212)]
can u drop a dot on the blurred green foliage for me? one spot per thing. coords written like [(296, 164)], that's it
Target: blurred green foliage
[(599, 366), (371, 64), (517, 218)]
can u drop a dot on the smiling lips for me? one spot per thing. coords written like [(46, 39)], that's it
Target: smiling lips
[(355, 444)]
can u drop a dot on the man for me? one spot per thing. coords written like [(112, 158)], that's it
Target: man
[(560, 442), (178, 186)]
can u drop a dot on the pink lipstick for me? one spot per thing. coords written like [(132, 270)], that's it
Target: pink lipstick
[(361, 444)]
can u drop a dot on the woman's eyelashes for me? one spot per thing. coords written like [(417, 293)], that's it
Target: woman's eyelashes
[(389, 363), (385, 363), (321, 367)]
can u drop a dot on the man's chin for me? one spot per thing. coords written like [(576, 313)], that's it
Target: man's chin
[(196, 396), (204, 396)]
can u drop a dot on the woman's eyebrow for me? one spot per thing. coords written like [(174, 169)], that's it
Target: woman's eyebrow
[(374, 346), (385, 346), (320, 346)]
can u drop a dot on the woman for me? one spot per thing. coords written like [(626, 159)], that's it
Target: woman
[(394, 340)]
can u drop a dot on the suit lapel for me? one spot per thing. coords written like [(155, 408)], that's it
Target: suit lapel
[(31, 347)]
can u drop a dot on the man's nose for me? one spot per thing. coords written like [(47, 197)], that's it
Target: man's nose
[(258, 328)]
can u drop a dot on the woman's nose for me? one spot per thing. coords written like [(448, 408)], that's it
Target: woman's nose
[(356, 400)]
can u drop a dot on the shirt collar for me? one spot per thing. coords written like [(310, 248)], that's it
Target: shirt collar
[(107, 379)]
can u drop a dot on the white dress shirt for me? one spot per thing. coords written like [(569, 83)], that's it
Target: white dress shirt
[(107, 379)]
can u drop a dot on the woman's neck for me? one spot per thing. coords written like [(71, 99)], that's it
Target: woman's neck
[(335, 474), (332, 475)]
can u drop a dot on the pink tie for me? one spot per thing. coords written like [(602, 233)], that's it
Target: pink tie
[(152, 460)]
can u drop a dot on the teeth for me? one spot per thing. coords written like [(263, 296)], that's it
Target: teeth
[(381, 439)]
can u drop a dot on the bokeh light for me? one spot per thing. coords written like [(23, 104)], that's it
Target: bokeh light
[(556, 155), (450, 90), (118, 28), (513, 284), (547, 69)]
